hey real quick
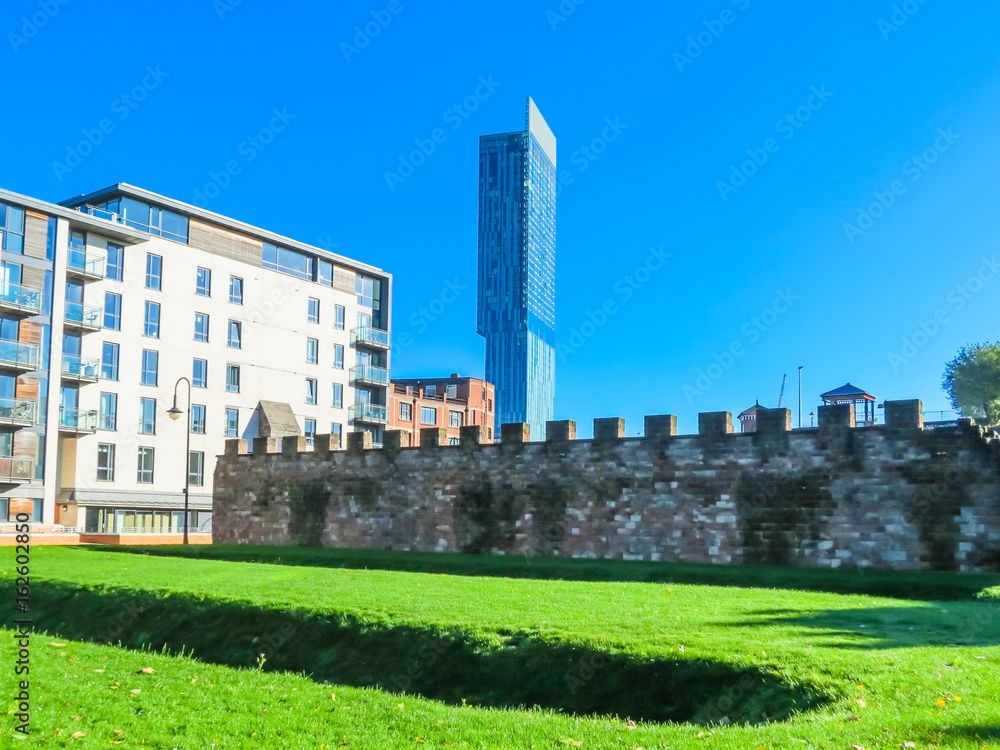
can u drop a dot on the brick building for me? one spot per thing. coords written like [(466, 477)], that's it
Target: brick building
[(448, 403)]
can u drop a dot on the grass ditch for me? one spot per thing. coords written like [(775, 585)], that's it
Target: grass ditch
[(445, 665), (922, 585)]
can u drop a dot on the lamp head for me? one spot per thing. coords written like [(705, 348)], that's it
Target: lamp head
[(174, 412)]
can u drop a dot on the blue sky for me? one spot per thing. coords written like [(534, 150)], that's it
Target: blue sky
[(736, 136)]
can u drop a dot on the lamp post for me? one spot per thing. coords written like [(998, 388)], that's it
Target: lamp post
[(800, 396), (175, 414), (811, 415)]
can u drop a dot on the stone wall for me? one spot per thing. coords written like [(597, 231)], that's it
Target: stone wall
[(894, 496)]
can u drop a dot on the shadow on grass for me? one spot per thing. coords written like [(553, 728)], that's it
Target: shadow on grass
[(923, 585), (449, 666), (976, 733), (955, 624)]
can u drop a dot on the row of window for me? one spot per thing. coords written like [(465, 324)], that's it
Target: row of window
[(146, 465), (428, 415), (108, 416), (150, 364), (336, 429)]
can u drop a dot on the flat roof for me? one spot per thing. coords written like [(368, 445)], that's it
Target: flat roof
[(224, 221), (118, 231)]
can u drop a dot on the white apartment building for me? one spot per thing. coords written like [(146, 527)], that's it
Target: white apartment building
[(109, 299)]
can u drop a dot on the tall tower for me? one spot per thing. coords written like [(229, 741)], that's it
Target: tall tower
[(517, 263)]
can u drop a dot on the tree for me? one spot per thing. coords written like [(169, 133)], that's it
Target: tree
[(972, 381)]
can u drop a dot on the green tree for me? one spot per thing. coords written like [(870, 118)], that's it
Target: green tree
[(972, 381)]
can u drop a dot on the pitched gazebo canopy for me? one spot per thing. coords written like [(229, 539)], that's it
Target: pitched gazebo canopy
[(846, 392)]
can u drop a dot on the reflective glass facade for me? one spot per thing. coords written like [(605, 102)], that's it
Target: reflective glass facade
[(517, 248)]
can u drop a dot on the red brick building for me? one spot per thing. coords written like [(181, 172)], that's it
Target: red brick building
[(449, 402)]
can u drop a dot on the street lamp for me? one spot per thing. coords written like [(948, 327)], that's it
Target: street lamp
[(811, 415), (800, 396), (175, 414)]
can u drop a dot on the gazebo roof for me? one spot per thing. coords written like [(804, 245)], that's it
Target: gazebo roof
[(848, 390)]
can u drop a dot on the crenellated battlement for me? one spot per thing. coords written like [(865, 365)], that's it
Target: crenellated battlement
[(900, 416), (895, 495)]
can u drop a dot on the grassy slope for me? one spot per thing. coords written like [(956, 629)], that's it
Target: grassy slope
[(904, 655)]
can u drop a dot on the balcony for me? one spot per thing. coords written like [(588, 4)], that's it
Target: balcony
[(16, 470), (83, 318), (20, 300), (17, 356), (17, 413), (79, 369), (372, 337), (373, 413), (76, 421), (368, 375), (83, 265)]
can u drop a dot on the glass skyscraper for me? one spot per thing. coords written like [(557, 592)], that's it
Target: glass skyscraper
[(517, 263)]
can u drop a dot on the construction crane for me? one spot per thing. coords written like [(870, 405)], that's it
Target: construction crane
[(781, 396)]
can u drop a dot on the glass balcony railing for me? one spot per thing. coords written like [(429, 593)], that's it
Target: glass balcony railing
[(370, 413), (17, 469), (90, 317), (77, 420), (81, 261), (15, 295), (371, 337), (370, 374), (18, 354), (17, 411), (80, 368)]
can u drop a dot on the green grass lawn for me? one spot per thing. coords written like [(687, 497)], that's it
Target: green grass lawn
[(436, 660)]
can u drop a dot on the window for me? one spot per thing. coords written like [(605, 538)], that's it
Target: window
[(236, 290), (147, 416), (232, 423), (151, 323), (109, 361), (115, 268), (337, 430), (338, 356), (108, 415), (338, 317), (406, 412), (146, 457), (154, 271), (199, 378), (196, 468), (453, 441), (310, 391), (338, 396), (235, 335), (489, 406), (200, 327), (451, 391), (112, 311), (428, 415), (77, 249), (431, 390), (150, 367), (312, 351), (489, 433), (144, 217), (233, 378), (198, 419), (367, 290), (288, 261), (12, 224), (203, 284), (310, 431), (105, 462), (455, 419), (313, 310)]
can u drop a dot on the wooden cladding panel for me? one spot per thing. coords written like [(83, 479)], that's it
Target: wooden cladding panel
[(221, 242), (25, 444), (26, 389), (30, 333), (31, 277), (36, 233)]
